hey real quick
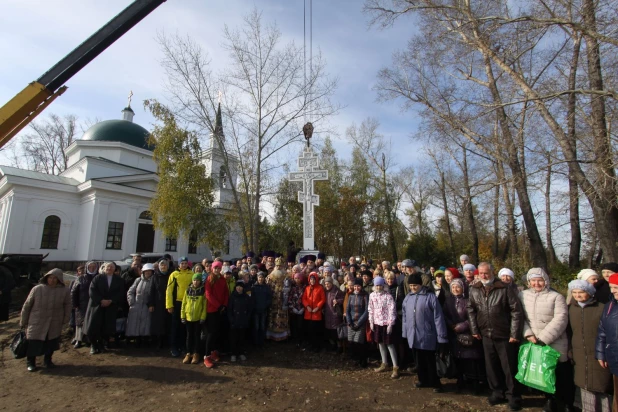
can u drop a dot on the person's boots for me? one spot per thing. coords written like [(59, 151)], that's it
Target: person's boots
[(31, 363), (395, 374), (187, 359), (382, 368), (47, 361), (196, 359), (550, 405)]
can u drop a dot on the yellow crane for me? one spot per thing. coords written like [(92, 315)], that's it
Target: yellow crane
[(35, 97)]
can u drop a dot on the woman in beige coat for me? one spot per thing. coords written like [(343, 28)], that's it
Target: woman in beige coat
[(46, 310), (546, 317)]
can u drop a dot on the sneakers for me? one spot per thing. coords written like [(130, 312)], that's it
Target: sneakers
[(188, 358), (243, 358), (382, 368), (233, 358), (208, 362), (196, 359), (214, 355), (395, 374), (175, 353)]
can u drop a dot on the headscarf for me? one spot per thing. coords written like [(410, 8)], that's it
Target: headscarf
[(96, 269), (582, 285), (457, 282), (538, 273), (584, 274), (469, 266), (507, 272)]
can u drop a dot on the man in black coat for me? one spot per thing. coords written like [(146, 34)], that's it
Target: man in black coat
[(496, 318), (107, 292)]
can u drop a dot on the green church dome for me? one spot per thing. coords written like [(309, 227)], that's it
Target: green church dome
[(119, 131)]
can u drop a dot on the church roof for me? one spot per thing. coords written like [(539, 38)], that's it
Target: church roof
[(29, 174), (119, 131)]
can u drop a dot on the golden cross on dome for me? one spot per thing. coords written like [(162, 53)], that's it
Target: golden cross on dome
[(130, 96)]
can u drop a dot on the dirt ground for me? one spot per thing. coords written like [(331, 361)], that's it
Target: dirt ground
[(279, 377)]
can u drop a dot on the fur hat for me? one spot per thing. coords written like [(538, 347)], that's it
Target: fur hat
[(582, 285)]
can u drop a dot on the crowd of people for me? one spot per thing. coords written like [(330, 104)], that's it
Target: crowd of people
[(405, 316)]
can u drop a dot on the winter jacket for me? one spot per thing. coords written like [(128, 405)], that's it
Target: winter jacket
[(177, 284), (423, 320), (295, 299), (357, 311), (80, 297), (333, 314), (456, 317), (582, 332), (231, 284), (102, 320), (368, 288), (140, 301), (494, 311), (602, 293), (315, 298), (194, 305), (217, 293), (262, 297), (46, 311), (546, 317), (161, 319), (398, 294), (128, 277), (382, 309), (7, 283), (239, 310), (607, 336)]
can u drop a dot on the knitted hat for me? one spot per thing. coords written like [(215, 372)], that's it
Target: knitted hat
[(328, 279), (197, 276), (457, 282), (254, 266), (328, 269), (506, 272), (454, 272), (464, 257), (438, 272), (613, 266), (359, 281), (415, 279), (582, 285), (469, 266), (613, 279), (216, 264), (378, 281), (262, 274), (584, 274)]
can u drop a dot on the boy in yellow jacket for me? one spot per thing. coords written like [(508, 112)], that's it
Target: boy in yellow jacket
[(177, 285), (193, 316)]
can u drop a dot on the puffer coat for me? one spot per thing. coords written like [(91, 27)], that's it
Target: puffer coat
[(582, 331), (423, 320), (314, 297), (607, 336), (546, 317), (46, 310), (80, 297), (382, 309), (140, 299), (494, 312)]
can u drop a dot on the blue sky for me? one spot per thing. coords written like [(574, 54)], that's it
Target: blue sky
[(35, 34)]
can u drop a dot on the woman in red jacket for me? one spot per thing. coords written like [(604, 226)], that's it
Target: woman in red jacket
[(313, 301), (217, 295)]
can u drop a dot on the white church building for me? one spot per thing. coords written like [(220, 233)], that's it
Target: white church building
[(97, 209)]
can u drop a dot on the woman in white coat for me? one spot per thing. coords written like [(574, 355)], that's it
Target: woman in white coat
[(546, 317)]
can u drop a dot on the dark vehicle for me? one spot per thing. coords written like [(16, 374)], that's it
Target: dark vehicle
[(22, 266)]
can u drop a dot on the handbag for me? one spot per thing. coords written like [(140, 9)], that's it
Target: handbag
[(465, 339), (537, 367), (445, 365), (19, 345)]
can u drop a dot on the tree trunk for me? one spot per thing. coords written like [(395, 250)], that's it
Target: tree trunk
[(548, 231), (389, 215), (576, 231), (496, 245), (537, 250), (447, 215), (469, 206)]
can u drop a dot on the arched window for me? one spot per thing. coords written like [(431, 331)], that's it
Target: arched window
[(51, 232), (222, 178), (145, 215)]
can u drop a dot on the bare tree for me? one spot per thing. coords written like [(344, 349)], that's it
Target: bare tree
[(44, 145)]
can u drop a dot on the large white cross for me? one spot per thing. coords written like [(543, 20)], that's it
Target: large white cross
[(308, 172)]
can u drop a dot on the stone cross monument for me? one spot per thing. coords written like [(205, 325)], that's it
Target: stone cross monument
[(308, 172)]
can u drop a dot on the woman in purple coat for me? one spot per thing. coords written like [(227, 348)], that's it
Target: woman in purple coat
[(468, 352)]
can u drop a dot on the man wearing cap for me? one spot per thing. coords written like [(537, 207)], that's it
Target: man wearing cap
[(177, 284), (495, 316), (424, 327)]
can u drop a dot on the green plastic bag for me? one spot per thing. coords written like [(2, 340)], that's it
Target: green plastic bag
[(537, 367)]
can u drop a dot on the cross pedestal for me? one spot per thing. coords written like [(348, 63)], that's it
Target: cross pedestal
[(308, 172)]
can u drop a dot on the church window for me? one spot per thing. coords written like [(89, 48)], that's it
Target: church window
[(193, 242), (114, 235), (222, 178), (51, 232), (226, 247), (145, 215), (170, 244)]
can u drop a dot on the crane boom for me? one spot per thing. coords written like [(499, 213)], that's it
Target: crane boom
[(34, 98)]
